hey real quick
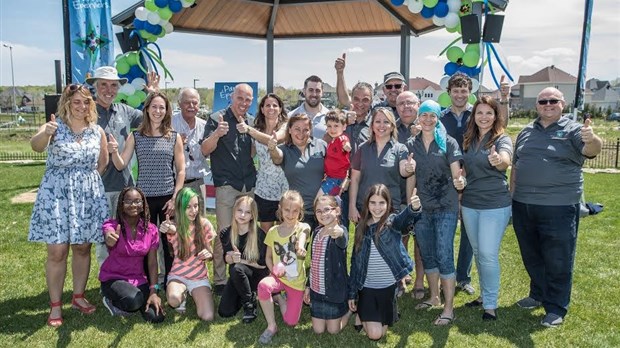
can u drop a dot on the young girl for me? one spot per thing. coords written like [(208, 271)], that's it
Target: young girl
[(284, 258), (379, 260), (190, 236), (327, 293), (130, 239), (244, 250)]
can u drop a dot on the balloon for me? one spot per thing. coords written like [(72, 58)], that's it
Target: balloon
[(138, 24), (472, 48), (141, 13), (141, 94), (128, 89), (138, 83), (122, 67), (415, 6), (143, 33), (454, 53), (454, 5), (444, 100), (120, 97), (472, 99), (451, 30), (162, 33), (157, 29), (135, 71), (153, 18), (470, 59), (444, 82), (132, 58), (450, 68), (441, 9), (438, 21), (161, 3), (398, 2), (427, 12), (150, 5), (187, 3), (465, 8), (474, 85), (452, 20), (165, 13), (168, 28), (175, 6), (430, 3), (133, 101)]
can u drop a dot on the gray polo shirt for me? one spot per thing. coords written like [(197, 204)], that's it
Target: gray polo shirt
[(118, 120), (487, 187), (381, 169), (433, 176), (231, 161), (304, 172), (358, 133), (548, 163)]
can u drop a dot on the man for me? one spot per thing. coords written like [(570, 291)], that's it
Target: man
[(231, 164), (454, 119), (312, 106), (116, 119), (191, 128), (547, 183)]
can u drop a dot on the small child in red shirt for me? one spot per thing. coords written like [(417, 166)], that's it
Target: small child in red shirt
[(337, 161)]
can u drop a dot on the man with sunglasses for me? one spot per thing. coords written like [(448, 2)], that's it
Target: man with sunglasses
[(393, 85), (191, 128), (313, 107), (546, 183)]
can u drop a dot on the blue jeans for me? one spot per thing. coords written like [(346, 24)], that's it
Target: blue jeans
[(435, 235), (547, 238), (465, 257), (485, 229)]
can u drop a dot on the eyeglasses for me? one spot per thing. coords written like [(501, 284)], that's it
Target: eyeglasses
[(137, 203), (324, 211), (396, 86), (407, 103), (549, 101)]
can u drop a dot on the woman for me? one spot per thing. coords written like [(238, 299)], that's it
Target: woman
[(161, 161), (486, 202), (437, 180), (302, 160), (71, 202), (132, 243), (270, 180)]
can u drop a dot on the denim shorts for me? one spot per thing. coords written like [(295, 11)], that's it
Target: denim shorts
[(435, 236), (322, 309), (190, 283), (331, 186)]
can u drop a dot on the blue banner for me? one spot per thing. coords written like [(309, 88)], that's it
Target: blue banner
[(223, 90), (91, 37)]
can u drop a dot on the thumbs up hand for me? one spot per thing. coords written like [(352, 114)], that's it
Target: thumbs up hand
[(273, 141), (112, 144), (494, 157), (51, 126), (340, 63), (167, 226), (504, 88), (587, 133), (410, 164), (460, 182), (414, 200), (112, 237), (222, 127)]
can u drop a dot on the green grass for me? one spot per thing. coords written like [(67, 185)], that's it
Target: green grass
[(592, 320)]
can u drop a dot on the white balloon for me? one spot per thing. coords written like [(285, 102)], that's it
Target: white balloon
[(187, 3), (153, 18), (451, 20), (141, 13), (454, 5), (439, 21), (127, 89), (138, 83), (168, 28), (474, 85), (444, 83), (415, 6)]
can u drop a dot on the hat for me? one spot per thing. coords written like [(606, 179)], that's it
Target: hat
[(393, 75), (106, 73), (430, 106)]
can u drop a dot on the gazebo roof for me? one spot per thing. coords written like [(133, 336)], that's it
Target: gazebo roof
[(292, 18)]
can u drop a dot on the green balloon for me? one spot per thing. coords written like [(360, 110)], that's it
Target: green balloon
[(472, 99), (430, 3), (162, 33), (150, 5), (470, 59), (444, 100), (452, 30), (122, 67), (132, 58), (454, 53), (120, 97), (165, 13), (141, 94), (133, 101), (472, 48)]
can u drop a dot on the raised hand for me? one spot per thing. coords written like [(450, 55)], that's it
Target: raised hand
[(152, 82), (459, 182), (335, 232), (236, 255), (587, 133), (222, 127), (340, 63), (112, 144), (273, 141), (414, 200), (112, 237), (167, 226), (504, 88), (410, 164), (243, 128), (415, 129), (351, 116), (51, 126), (494, 157)]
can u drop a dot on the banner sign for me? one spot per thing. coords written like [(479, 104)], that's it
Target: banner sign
[(223, 91)]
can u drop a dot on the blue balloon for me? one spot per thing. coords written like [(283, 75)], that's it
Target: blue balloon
[(138, 24), (450, 68), (427, 12), (157, 29), (441, 9), (175, 6), (398, 2), (161, 3), (134, 72)]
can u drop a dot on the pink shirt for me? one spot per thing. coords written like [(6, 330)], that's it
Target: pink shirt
[(192, 268), (126, 258)]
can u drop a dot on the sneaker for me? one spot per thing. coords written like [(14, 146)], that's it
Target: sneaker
[(181, 308), (551, 320), (249, 312), (114, 311), (467, 287), (528, 303)]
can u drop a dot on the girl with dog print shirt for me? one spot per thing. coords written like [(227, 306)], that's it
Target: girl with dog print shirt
[(285, 259)]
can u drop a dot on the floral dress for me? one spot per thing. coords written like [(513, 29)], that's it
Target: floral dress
[(71, 204)]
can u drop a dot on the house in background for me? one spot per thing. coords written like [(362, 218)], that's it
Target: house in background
[(601, 95), (424, 88), (531, 85)]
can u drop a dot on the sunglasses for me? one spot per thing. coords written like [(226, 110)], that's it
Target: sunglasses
[(395, 86), (550, 101), (74, 87)]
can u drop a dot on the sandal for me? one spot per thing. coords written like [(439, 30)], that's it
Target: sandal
[(418, 293), (444, 321), (54, 322), (266, 336), (426, 305), (88, 309)]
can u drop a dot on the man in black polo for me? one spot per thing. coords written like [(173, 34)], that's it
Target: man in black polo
[(233, 170)]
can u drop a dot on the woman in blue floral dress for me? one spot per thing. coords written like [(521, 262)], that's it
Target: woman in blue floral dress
[(71, 203)]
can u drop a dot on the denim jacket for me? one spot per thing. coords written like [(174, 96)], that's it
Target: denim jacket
[(335, 267), (389, 246)]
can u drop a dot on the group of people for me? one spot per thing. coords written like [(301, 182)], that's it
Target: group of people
[(394, 169)]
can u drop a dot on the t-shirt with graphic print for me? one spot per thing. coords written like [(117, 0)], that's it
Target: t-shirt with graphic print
[(283, 250)]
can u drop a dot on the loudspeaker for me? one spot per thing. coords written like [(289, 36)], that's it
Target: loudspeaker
[(470, 28), (51, 105), (492, 28), (126, 43)]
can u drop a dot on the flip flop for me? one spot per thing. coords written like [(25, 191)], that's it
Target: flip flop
[(418, 293), (444, 321), (266, 336), (425, 305)]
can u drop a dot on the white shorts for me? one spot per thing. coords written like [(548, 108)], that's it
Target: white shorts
[(190, 284)]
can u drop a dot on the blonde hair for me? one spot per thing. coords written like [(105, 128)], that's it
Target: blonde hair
[(250, 251), (389, 115), (294, 196), (64, 104)]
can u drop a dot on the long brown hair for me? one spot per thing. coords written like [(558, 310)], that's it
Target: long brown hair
[(472, 132), (145, 215), (251, 250), (165, 128), (260, 123), (379, 190)]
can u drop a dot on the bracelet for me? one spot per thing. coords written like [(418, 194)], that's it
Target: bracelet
[(154, 287)]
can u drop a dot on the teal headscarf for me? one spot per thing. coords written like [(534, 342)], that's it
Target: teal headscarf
[(440, 131)]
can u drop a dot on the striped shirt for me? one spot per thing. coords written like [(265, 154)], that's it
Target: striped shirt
[(192, 268), (155, 164), (379, 275), (317, 268)]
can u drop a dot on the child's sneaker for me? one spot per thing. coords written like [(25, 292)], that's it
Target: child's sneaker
[(181, 308), (114, 311)]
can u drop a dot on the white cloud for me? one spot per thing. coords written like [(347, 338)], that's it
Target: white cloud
[(435, 58), (356, 49), (556, 51)]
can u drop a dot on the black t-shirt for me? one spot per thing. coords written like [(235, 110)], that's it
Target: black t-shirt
[(227, 246)]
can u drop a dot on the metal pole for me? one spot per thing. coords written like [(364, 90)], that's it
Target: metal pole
[(12, 80), (195, 82), (67, 36), (583, 58)]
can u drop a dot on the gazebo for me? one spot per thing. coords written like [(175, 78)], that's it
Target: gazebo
[(296, 19)]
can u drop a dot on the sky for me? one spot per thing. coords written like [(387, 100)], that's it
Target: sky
[(536, 34)]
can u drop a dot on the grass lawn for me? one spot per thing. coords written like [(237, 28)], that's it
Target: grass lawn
[(592, 320)]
